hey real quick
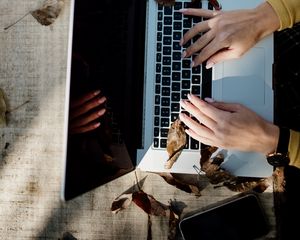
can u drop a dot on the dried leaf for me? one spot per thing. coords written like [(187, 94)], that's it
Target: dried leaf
[(166, 2), (121, 202), (175, 142), (49, 12), (2, 110), (124, 200), (206, 153), (149, 204)]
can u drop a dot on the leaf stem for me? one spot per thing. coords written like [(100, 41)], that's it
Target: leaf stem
[(6, 28)]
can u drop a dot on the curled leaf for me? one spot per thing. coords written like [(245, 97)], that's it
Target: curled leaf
[(2, 110), (149, 204), (121, 202), (175, 142), (49, 12), (166, 2)]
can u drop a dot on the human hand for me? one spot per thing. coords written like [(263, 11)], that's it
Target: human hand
[(228, 34), (85, 111), (228, 126)]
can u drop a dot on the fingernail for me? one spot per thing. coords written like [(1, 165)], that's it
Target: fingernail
[(181, 42), (192, 64), (96, 125), (182, 10), (183, 54), (209, 100), (209, 65), (97, 92)]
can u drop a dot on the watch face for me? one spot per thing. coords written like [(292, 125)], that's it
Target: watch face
[(278, 160)]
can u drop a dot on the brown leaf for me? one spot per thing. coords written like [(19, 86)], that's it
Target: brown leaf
[(206, 153), (149, 204), (166, 2), (49, 12), (121, 202), (175, 142), (3, 110), (124, 200)]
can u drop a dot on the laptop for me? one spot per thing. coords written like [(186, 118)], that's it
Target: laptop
[(130, 51)]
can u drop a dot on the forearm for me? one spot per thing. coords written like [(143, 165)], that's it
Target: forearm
[(294, 148), (288, 12)]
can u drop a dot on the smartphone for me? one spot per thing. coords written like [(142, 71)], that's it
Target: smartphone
[(237, 218)]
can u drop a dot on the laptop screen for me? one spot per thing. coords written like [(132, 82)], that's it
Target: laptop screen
[(107, 55)]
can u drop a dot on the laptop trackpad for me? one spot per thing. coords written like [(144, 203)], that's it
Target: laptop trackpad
[(242, 80)]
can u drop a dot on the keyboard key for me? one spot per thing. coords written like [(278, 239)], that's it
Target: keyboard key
[(175, 107), (156, 132), (176, 56), (196, 79), (166, 81), (194, 144), (174, 116), (176, 35), (178, 6), (156, 121), (186, 63), (196, 69), (157, 89), (165, 91), (168, 10), (176, 86), (168, 21), (186, 73), (158, 57), (176, 46), (159, 15), (175, 76), (164, 132), (155, 142), (167, 41), (163, 143), (165, 101), (158, 68), (157, 99), (158, 47), (185, 84), (175, 97), (184, 94), (177, 16), (157, 78), (187, 23), (159, 26), (176, 66), (156, 111), (166, 71), (164, 122), (167, 30), (196, 90), (177, 26), (159, 36), (166, 60), (165, 112), (167, 50)]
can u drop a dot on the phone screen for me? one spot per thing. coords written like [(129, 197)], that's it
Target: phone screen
[(239, 219)]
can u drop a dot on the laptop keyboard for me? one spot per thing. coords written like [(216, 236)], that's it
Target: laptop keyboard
[(174, 76)]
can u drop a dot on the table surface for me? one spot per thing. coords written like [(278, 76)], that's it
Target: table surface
[(33, 66)]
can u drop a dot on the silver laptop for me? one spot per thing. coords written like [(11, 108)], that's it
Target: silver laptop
[(135, 59), (247, 80)]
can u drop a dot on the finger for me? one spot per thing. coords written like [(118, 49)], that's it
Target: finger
[(87, 119), (199, 12), (209, 50), (199, 129), (84, 129), (200, 43), (198, 28), (196, 112), (208, 109), (84, 98), (199, 138), (229, 107), (87, 107), (221, 56)]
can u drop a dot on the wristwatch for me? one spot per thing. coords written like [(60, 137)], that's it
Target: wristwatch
[(280, 157)]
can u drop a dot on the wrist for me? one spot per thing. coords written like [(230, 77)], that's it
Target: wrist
[(267, 20), (272, 138)]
